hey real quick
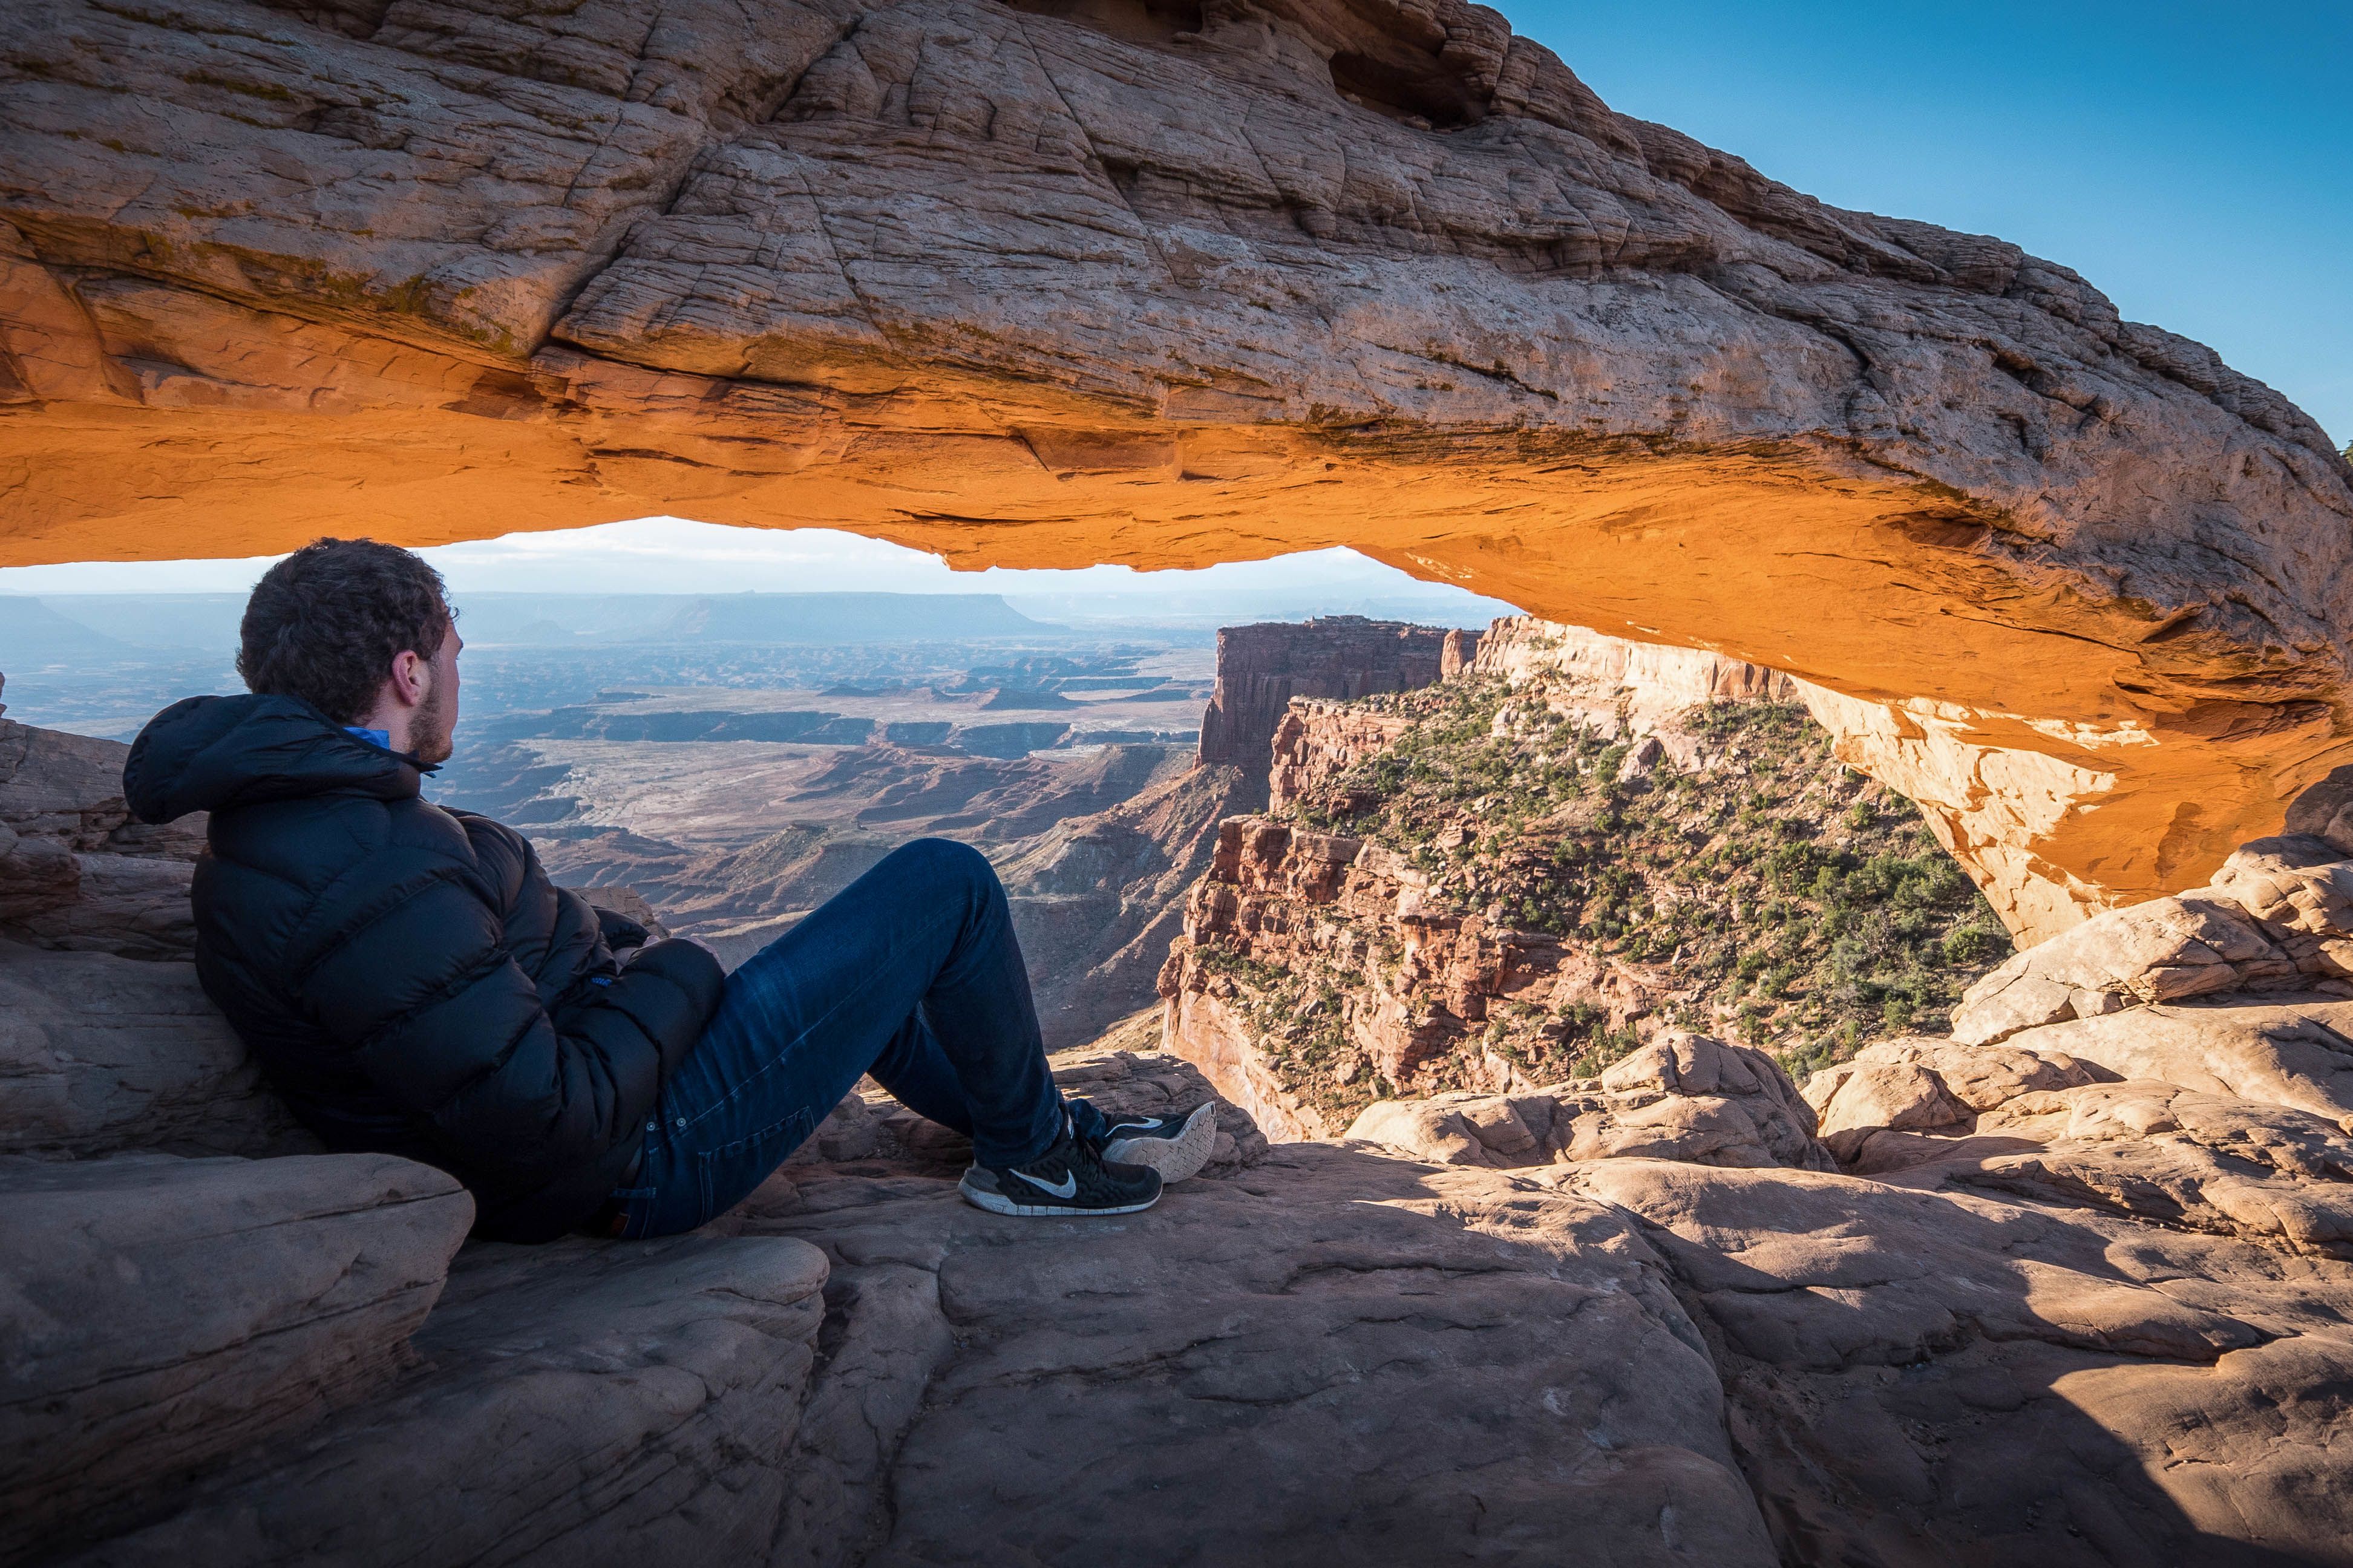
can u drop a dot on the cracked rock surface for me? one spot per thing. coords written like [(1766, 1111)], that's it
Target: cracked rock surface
[(1326, 1356), (1684, 1097)]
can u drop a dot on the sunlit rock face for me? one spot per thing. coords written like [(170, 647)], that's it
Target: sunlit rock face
[(1167, 284)]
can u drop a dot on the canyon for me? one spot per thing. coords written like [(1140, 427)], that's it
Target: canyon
[(1209, 287), (736, 810), (2067, 1286), (1530, 868)]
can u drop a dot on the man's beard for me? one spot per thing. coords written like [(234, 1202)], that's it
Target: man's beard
[(431, 727)]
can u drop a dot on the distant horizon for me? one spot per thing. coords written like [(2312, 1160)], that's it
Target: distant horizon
[(672, 556)]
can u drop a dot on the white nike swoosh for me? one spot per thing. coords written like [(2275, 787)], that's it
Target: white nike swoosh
[(1061, 1189), (1124, 1128)]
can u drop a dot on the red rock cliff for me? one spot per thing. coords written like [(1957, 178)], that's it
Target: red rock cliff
[(1261, 668)]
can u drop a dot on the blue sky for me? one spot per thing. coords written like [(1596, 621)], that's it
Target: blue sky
[(2194, 161)]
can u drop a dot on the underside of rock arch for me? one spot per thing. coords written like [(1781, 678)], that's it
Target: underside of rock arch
[(1069, 281)]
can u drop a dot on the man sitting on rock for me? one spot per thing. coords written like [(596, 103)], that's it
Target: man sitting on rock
[(414, 983)]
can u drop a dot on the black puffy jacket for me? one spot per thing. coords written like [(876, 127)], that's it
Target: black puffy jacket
[(411, 981)]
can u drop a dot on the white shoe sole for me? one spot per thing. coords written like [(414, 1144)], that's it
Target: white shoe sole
[(1175, 1158), (997, 1203)]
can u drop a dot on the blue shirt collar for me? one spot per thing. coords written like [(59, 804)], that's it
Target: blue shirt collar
[(374, 737)]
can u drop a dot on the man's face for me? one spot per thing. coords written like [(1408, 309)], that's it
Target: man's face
[(435, 723)]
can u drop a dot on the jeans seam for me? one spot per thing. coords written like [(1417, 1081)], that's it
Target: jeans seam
[(706, 1158)]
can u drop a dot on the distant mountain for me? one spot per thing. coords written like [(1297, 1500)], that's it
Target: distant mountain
[(545, 620), (199, 623), (33, 637), (848, 618), (56, 629), (1206, 610), (563, 620)]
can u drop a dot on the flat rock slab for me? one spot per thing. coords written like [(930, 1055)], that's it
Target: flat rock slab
[(158, 1313), (101, 1054), (580, 1403), (1328, 1356)]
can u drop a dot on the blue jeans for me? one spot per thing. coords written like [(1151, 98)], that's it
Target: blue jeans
[(911, 974)]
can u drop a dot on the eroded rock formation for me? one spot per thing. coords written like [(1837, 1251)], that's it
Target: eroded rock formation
[(1053, 285)]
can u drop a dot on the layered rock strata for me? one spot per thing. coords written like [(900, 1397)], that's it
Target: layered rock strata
[(101, 1054), (1261, 668), (1098, 898), (160, 1313), (1275, 900), (1045, 287)]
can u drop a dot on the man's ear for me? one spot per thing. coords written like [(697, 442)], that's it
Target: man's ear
[(412, 678)]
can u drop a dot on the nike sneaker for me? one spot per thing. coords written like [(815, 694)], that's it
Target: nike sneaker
[(1175, 1146), (1070, 1178)]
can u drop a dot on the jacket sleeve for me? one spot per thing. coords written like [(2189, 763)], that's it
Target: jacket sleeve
[(447, 1025), (619, 929)]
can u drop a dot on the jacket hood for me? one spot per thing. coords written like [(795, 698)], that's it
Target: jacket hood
[(212, 753)]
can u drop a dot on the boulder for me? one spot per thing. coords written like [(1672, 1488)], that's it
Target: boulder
[(2278, 915), (2286, 1050), (2183, 1158), (2300, 890), (157, 1313), (581, 1403), (100, 1053), (1917, 1085), (2325, 811), (1902, 1096), (75, 871), (130, 904), (2161, 950), (1683, 1096)]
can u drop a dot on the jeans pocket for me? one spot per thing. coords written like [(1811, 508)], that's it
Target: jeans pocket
[(637, 1205), (728, 1172)]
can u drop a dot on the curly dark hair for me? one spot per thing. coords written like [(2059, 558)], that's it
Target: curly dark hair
[(325, 624)]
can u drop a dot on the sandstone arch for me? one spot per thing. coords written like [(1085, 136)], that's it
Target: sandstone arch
[(1144, 280)]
